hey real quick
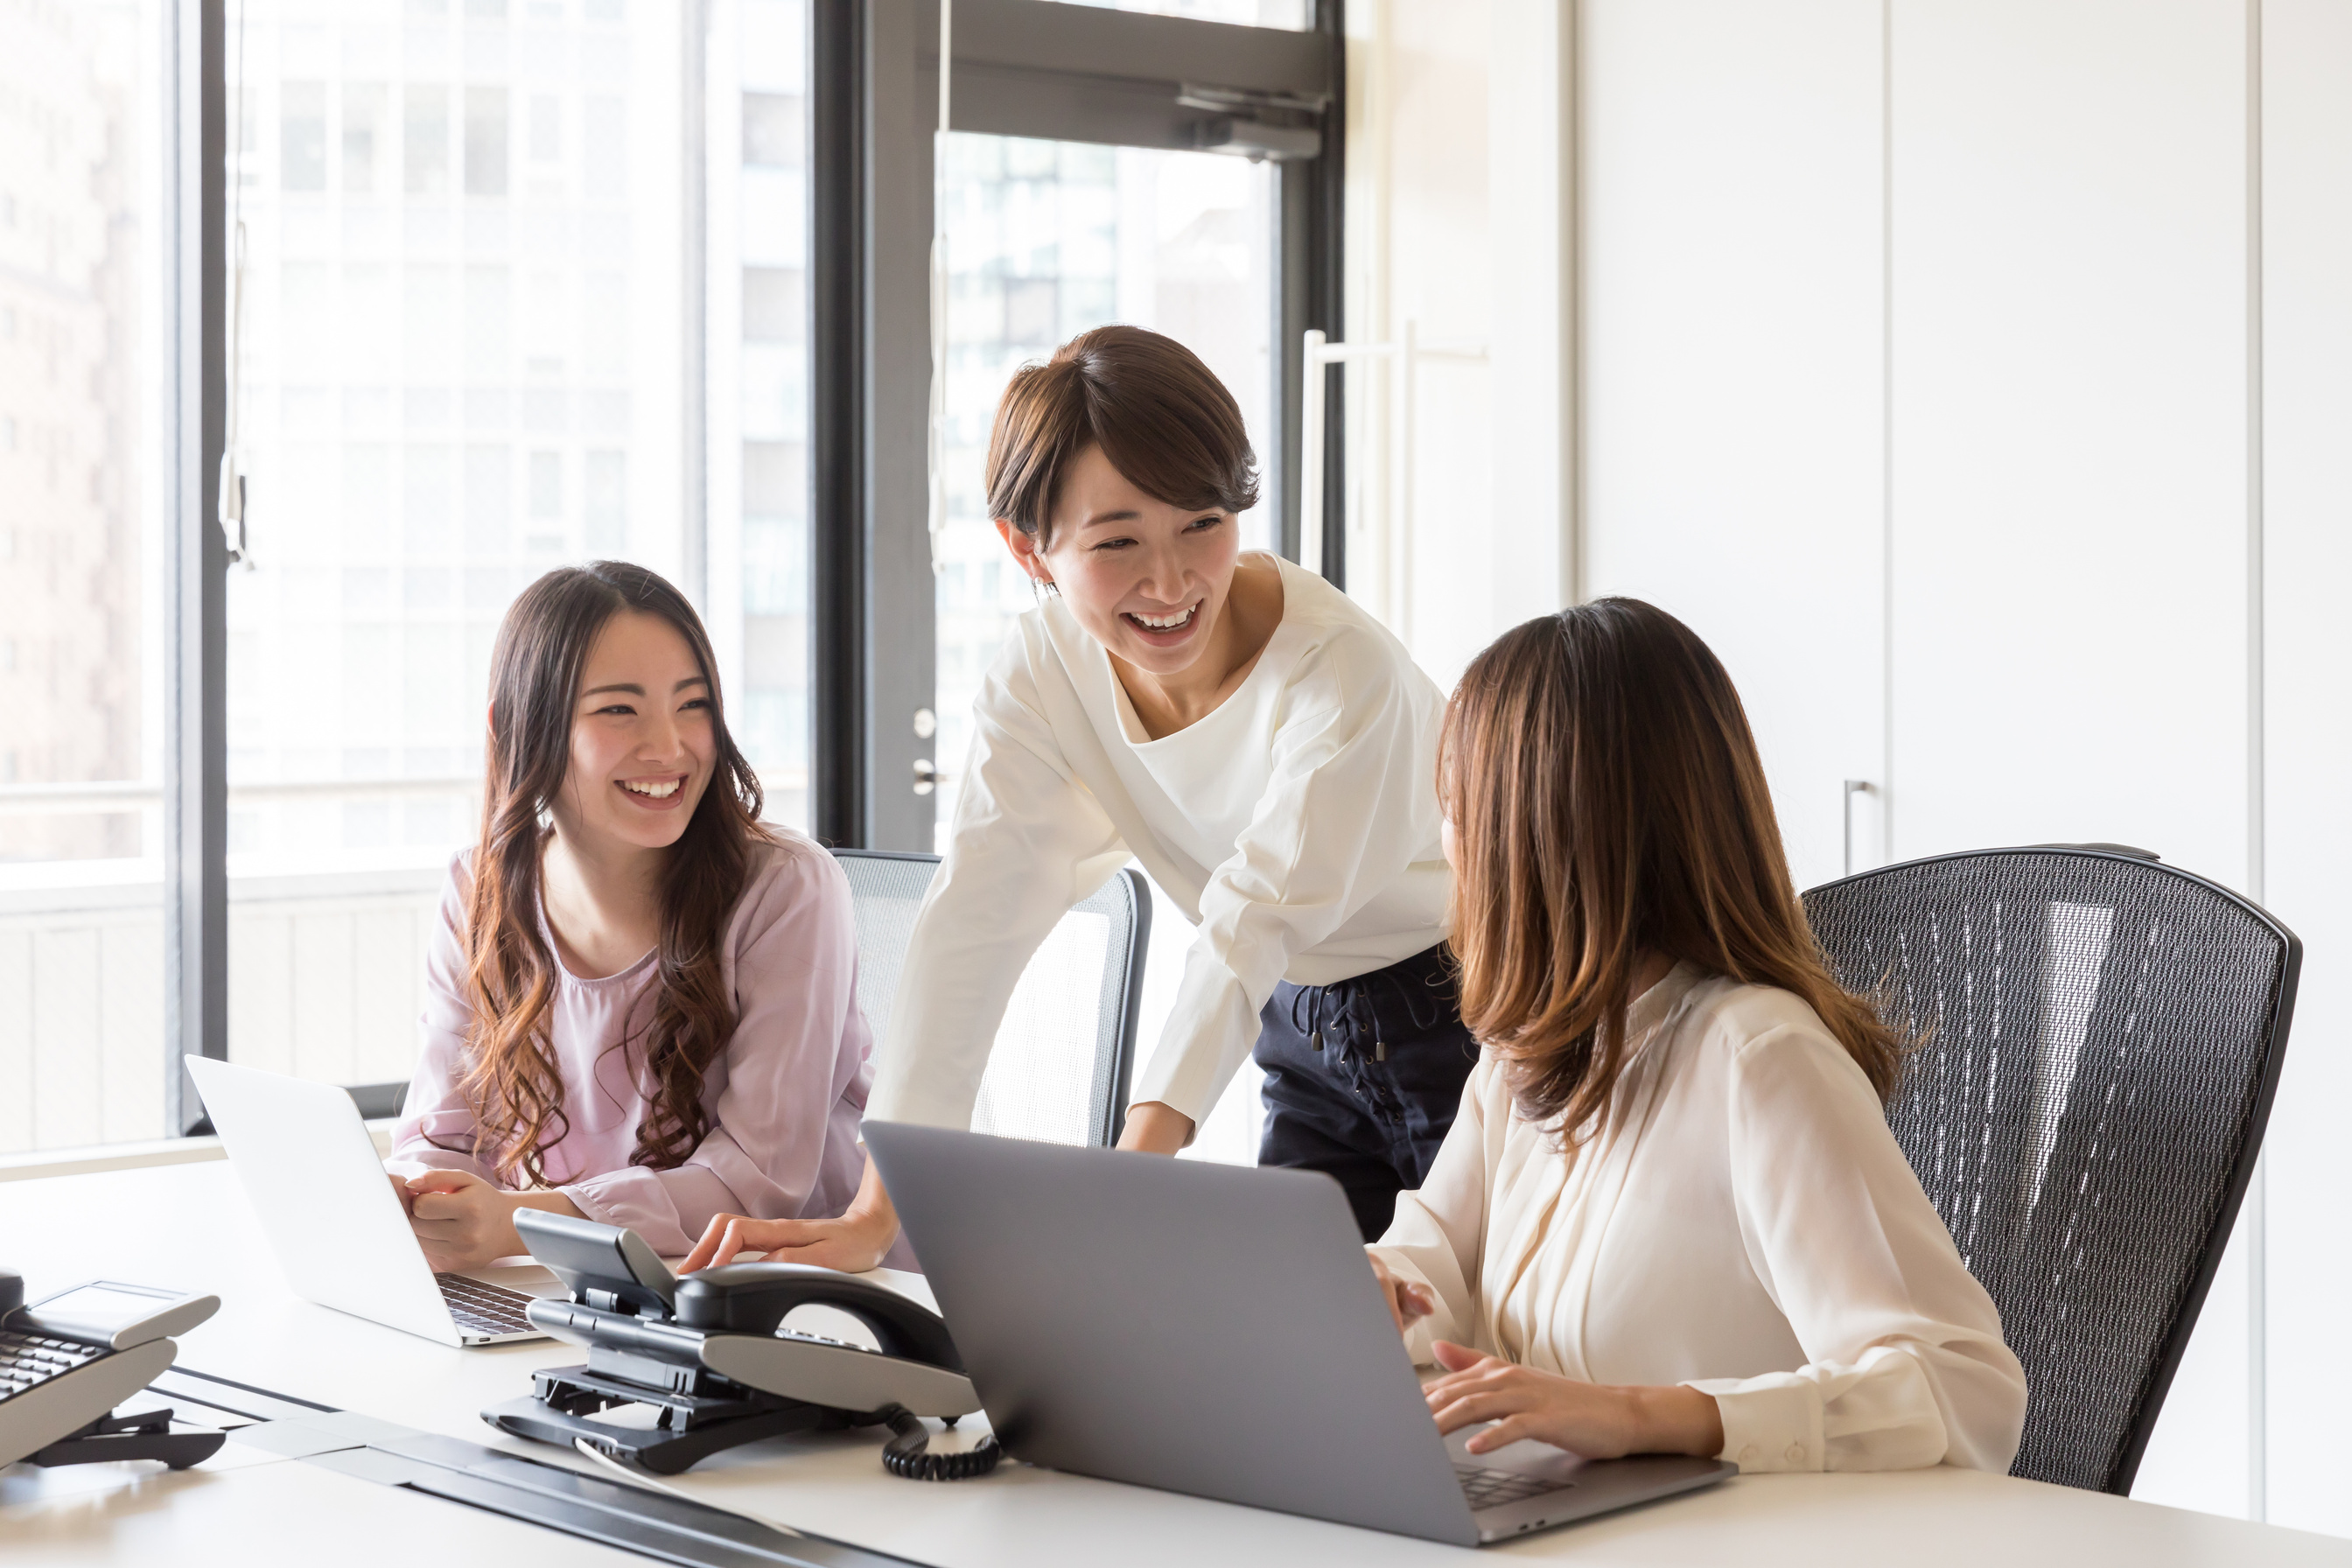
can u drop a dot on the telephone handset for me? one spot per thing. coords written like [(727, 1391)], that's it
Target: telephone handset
[(708, 1351)]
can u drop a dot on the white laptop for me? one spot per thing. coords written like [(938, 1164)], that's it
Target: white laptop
[(340, 1233)]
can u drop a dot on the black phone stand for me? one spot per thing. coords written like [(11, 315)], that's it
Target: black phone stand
[(146, 1436), (701, 1413)]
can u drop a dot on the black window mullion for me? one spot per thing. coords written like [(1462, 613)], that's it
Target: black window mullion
[(836, 423), (1320, 256)]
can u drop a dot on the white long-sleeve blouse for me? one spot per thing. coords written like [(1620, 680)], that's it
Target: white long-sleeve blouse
[(1297, 826), (1745, 1224)]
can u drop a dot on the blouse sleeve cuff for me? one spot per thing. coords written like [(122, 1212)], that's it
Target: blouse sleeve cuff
[(1770, 1424), (1423, 1333), (667, 1208)]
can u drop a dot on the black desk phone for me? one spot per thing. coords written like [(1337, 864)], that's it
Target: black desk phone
[(66, 1360), (708, 1355)]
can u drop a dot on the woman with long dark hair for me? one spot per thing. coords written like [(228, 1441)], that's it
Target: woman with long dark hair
[(1669, 1216), (640, 1000)]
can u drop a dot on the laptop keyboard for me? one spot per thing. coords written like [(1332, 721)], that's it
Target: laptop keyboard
[(27, 1359), (482, 1309), (1483, 1487)]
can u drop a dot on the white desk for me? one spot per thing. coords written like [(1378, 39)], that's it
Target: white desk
[(188, 1226)]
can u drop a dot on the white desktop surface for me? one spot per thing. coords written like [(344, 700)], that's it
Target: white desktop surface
[(188, 1226)]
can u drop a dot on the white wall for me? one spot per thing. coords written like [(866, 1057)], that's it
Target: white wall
[(1919, 341), (2305, 417)]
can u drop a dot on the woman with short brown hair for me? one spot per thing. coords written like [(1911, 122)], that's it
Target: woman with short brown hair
[(1669, 1216), (1262, 746)]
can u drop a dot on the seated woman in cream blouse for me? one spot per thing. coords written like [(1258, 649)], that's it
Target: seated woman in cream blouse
[(1669, 1216)]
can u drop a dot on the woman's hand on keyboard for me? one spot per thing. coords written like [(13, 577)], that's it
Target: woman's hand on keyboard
[(1593, 1419)]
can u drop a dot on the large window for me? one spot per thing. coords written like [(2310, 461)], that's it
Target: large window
[(758, 401), (327, 325), (82, 281), (461, 362), (478, 309)]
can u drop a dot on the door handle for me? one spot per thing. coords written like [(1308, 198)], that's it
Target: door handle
[(1845, 846)]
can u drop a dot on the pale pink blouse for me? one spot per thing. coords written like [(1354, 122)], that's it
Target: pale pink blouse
[(784, 1097)]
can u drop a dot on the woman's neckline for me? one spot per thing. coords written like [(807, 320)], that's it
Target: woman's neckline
[(1130, 721), (563, 967)]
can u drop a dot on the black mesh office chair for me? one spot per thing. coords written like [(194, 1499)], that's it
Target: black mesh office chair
[(2099, 1038), (1065, 1054)]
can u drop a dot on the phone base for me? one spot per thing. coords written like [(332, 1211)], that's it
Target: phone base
[(147, 1436), (695, 1423)]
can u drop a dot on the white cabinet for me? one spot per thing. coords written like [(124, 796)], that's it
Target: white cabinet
[(2068, 377), (1919, 345), (1731, 374)]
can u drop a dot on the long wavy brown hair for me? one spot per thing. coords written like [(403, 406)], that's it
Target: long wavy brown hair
[(511, 1082), (1607, 800)]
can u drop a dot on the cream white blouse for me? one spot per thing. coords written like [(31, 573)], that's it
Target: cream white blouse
[(1297, 826), (1745, 1224)]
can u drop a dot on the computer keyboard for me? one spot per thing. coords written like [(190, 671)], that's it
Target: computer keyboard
[(1484, 1488), (26, 1360), (485, 1309)]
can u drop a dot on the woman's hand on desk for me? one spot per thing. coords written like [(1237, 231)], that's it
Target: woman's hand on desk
[(464, 1222), (1586, 1418)]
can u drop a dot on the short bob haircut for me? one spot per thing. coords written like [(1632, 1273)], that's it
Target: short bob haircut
[(1165, 422)]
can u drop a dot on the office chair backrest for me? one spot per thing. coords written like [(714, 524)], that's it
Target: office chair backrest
[(2098, 1038), (1066, 1052)]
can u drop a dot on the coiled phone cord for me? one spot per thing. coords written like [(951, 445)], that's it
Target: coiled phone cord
[(905, 1455)]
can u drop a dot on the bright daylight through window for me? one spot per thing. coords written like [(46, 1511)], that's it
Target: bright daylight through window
[(82, 378), (472, 283), (513, 283)]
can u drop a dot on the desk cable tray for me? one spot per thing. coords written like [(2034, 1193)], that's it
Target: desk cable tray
[(633, 1517)]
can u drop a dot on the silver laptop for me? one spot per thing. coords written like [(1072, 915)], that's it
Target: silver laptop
[(341, 1235), (1212, 1330)]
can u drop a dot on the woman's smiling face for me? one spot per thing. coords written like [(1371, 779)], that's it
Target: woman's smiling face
[(1149, 581), (642, 738)]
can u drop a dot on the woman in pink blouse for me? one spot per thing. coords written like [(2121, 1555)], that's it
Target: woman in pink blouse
[(640, 1001)]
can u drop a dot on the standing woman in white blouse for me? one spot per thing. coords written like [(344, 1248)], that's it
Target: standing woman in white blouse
[(1670, 1217), (1262, 746)]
